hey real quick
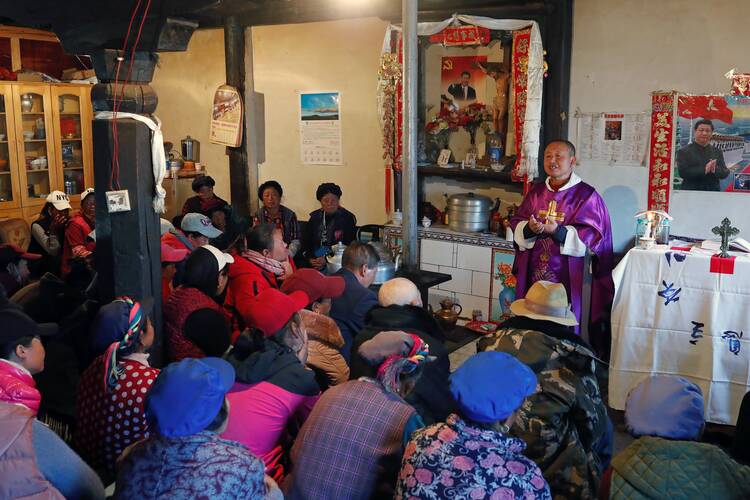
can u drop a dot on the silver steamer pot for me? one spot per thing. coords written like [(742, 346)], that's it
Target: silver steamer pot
[(469, 212)]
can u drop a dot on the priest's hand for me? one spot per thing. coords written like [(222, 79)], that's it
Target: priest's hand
[(539, 227), (549, 228), (535, 226)]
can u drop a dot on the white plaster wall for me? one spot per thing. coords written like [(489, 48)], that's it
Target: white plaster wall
[(624, 50), (185, 83), (340, 55)]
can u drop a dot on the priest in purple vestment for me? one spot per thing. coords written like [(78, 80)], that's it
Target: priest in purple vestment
[(556, 223)]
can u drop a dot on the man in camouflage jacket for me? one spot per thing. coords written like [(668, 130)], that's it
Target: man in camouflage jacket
[(565, 424)]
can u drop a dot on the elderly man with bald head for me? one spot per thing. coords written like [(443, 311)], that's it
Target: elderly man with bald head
[(400, 308)]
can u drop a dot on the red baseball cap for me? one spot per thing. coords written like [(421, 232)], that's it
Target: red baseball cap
[(171, 254), (315, 284), (12, 253), (271, 309)]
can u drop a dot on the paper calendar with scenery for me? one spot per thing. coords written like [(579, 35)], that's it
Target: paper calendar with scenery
[(320, 128)]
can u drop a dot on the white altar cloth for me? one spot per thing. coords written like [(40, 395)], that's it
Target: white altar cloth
[(662, 296)]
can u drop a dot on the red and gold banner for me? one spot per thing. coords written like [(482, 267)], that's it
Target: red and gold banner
[(662, 145), (462, 35), (521, 41), (399, 108)]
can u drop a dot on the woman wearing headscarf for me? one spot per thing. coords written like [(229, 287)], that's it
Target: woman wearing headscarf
[(184, 457), (198, 299), (205, 199), (113, 388), (328, 225), (273, 212), (357, 429), (471, 454)]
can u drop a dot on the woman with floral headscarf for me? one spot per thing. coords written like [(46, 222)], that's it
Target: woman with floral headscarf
[(358, 428), (113, 388), (471, 454)]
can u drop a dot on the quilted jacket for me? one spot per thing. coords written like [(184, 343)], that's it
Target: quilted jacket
[(17, 386), (655, 468), (20, 476)]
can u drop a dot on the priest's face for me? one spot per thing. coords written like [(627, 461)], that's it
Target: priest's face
[(558, 163)]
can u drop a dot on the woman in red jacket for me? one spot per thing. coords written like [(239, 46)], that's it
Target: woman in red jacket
[(261, 262), (195, 302)]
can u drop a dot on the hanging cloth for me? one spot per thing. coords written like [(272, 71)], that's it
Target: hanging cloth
[(158, 158)]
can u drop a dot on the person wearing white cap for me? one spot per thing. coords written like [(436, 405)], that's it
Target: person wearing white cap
[(565, 423), (77, 245), (47, 233), (195, 300), (196, 231)]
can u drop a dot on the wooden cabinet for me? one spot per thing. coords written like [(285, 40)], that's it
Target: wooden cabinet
[(47, 129), (10, 191)]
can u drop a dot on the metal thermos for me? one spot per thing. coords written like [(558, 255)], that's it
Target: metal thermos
[(469, 212), (191, 149)]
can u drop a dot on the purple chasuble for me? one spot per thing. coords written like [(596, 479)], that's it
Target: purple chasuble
[(585, 210)]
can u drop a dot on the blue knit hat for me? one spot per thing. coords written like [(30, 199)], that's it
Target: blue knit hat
[(491, 385), (665, 406), (187, 396)]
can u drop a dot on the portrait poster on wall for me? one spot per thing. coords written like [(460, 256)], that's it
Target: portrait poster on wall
[(714, 155), (320, 128), (503, 285), (226, 117), (462, 80)]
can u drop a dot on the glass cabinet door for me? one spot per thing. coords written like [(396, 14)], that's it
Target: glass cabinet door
[(71, 130), (36, 152), (9, 196)]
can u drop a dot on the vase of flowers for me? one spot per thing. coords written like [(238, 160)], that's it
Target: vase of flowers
[(504, 275)]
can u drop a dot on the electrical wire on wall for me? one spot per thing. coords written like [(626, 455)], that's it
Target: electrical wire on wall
[(114, 179)]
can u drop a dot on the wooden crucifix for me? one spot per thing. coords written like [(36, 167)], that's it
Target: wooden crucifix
[(726, 231), (551, 214)]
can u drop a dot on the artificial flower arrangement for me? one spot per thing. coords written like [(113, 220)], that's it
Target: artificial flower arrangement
[(449, 119)]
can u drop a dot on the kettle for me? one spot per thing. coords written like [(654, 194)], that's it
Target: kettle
[(448, 315), (191, 149), (386, 269), (334, 261)]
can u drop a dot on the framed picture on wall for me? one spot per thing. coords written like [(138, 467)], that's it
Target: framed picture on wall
[(713, 127), (503, 284)]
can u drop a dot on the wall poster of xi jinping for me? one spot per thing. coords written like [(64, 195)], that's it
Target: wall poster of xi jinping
[(712, 144)]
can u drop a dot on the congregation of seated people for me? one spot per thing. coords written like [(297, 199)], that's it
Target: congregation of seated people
[(281, 379)]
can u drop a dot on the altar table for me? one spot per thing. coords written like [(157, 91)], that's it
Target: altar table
[(681, 312)]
